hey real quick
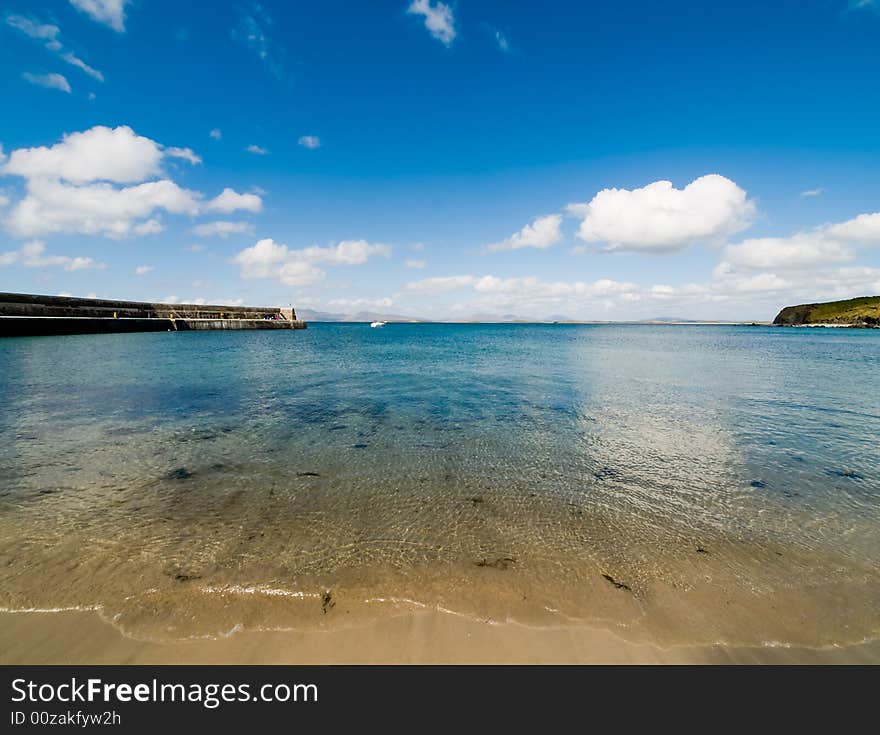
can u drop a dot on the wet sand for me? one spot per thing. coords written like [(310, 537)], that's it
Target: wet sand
[(83, 638)]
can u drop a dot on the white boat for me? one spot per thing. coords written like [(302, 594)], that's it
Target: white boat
[(377, 324)]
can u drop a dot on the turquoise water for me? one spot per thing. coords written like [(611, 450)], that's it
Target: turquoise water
[(675, 483)]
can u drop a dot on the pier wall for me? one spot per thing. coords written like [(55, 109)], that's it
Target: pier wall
[(28, 314)]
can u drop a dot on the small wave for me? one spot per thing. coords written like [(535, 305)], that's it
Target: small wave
[(73, 608), (235, 589)]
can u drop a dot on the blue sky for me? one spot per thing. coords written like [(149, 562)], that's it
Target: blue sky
[(597, 160)]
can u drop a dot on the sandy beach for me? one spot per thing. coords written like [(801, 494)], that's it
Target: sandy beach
[(83, 638)]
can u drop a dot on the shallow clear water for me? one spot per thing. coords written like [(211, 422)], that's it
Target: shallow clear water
[(681, 484)]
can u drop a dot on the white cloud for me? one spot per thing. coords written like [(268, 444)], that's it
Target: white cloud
[(512, 286), (186, 154), (201, 301), (661, 218), (100, 153), (834, 243), (80, 64), (143, 270), (310, 141), (526, 296), (71, 186), (256, 150), (108, 12), (755, 295), (346, 252), (216, 134), (48, 34), (439, 19), (798, 251), (49, 81), (415, 264), (33, 28), (230, 200), (268, 259), (383, 303), (542, 233), (441, 284), (222, 229), (812, 192), (33, 255), (502, 41), (96, 209), (150, 227), (863, 229), (761, 282)]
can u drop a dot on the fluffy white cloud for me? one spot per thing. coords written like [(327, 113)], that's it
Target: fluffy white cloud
[(256, 150), (268, 259), (522, 286), (661, 218), (834, 243), (97, 209), (142, 270), (542, 233), (74, 186), (222, 229), (416, 263), (346, 252), (438, 17), (33, 255), (864, 229), (49, 81), (731, 295), (216, 134), (230, 200), (812, 192), (150, 227), (100, 153), (108, 12), (527, 296), (310, 141), (798, 251)]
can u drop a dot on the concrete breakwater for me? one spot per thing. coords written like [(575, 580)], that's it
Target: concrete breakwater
[(29, 314)]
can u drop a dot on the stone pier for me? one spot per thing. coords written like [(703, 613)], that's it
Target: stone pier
[(28, 314)]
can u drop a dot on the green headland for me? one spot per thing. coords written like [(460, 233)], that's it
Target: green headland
[(861, 312)]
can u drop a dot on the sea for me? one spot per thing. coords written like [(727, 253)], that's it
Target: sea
[(678, 484)]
